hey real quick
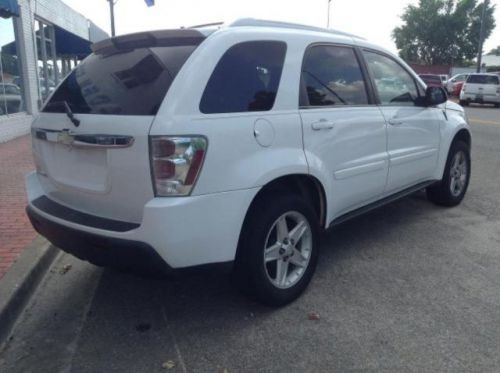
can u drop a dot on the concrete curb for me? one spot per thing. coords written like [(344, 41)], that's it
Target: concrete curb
[(21, 280)]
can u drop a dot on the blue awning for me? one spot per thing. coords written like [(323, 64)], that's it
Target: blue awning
[(70, 44), (9, 8), (67, 44)]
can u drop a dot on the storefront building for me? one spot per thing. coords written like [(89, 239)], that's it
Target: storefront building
[(40, 42)]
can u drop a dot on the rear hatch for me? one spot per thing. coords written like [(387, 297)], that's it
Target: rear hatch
[(90, 142), (482, 85)]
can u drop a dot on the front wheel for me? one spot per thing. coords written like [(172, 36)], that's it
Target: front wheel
[(278, 249), (450, 191)]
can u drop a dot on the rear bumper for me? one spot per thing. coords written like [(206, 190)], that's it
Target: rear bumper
[(104, 251), (174, 232), (472, 97)]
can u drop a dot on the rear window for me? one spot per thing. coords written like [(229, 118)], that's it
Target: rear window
[(482, 79), (245, 79), (133, 82)]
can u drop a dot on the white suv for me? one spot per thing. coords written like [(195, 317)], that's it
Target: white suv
[(481, 89), (238, 145)]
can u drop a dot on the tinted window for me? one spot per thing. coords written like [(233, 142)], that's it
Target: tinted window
[(128, 83), (332, 76), (245, 79), (431, 78), (483, 79), (395, 86)]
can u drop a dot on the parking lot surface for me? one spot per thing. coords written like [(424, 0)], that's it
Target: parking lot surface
[(409, 287)]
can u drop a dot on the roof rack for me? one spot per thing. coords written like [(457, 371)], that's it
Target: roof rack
[(264, 23), (207, 25)]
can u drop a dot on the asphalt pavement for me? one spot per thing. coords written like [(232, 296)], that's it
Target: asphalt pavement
[(410, 287)]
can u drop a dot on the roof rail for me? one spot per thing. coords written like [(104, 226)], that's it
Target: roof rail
[(207, 25), (264, 23)]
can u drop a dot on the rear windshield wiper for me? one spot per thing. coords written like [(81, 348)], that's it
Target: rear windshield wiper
[(67, 109), (70, 115)]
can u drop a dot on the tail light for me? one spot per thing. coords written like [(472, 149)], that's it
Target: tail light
[(176, 163), (463, 88), (498, 90)]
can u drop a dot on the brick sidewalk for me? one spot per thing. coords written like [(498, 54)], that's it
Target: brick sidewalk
[(15, 229)]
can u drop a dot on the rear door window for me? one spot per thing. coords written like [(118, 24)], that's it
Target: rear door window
[(245, 79), (132, 82), (332, 76), (483, 79)]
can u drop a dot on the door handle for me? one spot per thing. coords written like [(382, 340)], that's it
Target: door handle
[(322, 124), (395, 121)]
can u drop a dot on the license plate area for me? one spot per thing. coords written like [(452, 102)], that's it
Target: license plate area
[(81, 168), (479, 97)]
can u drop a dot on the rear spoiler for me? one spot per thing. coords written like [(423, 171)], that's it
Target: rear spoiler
[(148, 39)]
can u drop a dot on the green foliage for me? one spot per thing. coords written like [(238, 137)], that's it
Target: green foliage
[(442, 31), (490, 69), (495, 51)]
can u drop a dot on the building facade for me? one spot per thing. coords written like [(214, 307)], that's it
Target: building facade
[(40, 42)]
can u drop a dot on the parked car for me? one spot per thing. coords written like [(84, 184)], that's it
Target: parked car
[(456, 79), (432, 80), (481, 89), (236, 146), (11, 100)]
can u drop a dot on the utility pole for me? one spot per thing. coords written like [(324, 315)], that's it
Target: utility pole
[(481, 32), (328, 15), (112, 14)]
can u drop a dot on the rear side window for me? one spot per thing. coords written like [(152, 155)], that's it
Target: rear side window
[(133, 82), (483, 79), (332, 76), (245, 79)]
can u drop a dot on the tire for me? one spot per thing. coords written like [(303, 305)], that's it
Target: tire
[(497, 105), (261, 279), (451, 190), (464, 103)]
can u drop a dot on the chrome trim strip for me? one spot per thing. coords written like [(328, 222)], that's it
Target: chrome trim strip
[(67, 137)]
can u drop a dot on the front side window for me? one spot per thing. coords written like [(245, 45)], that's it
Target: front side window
[(245, 79), (395, 86), (332, 76)]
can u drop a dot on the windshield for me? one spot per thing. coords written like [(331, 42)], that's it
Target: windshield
[(132, 82)]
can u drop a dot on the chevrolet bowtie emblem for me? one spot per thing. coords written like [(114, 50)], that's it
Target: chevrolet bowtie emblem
[(64, 137)]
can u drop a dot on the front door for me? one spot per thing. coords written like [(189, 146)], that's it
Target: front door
[(413, 134), (344, 134)]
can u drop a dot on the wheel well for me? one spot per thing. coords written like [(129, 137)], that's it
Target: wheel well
[(463, 135), (306, 186)]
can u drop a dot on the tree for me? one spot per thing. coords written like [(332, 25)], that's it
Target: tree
[(442, 31), (495, 51)]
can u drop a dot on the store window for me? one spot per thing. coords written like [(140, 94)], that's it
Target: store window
[(11, 95), (48, 69)]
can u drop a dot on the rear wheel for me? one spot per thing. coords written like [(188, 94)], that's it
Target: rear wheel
[(497, 105), (451, 189), (278, 249)]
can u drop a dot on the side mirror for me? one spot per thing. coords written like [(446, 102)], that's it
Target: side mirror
[(435, 96)]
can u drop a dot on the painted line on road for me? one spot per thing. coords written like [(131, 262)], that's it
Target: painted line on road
[(482, 121)]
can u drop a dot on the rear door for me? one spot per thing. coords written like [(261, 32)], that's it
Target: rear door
[(344, 132), (413, 134), (99, 162)]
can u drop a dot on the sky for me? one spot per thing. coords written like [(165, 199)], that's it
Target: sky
[(371, 19)]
